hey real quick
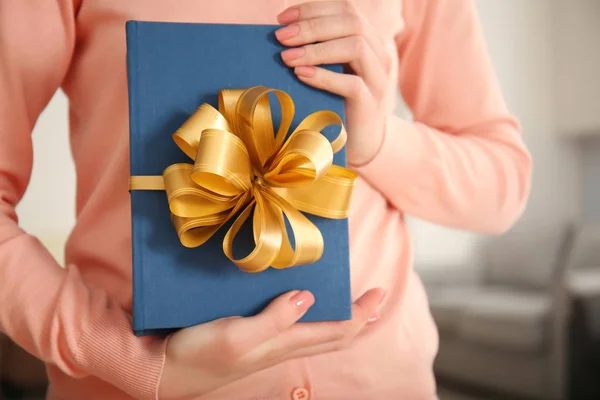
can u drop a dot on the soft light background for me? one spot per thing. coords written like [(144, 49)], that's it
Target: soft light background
[(540, 49)]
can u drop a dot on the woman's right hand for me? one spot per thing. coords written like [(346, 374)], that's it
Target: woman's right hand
[(206, 357)]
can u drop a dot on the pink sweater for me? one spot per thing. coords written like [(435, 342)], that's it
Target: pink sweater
[(461, 163)]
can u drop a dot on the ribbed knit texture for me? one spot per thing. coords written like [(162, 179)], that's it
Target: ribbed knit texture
[(139, 360)]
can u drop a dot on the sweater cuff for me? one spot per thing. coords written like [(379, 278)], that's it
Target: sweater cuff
[(110, 350), (399, 158)]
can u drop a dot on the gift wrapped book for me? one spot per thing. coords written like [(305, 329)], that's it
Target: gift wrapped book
[(238, 186)]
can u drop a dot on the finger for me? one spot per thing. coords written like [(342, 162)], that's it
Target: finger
[(320, 29), (349, 86), (330, 27), (353, 50), (314, 9), (320, 337), (247, 333)]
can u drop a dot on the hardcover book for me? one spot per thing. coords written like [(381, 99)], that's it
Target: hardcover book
[(172, 69)]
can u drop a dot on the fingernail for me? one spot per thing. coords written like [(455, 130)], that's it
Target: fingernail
[(303, 300), (293, 54), (307, 72), (373, 319), (288, 16), (287, 32)]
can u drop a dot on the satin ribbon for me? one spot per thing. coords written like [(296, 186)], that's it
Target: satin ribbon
[(241, 164)]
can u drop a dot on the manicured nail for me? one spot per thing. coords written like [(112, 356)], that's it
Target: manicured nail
[(307, 72), (373, 319), (287, 32), (302, 301), (293, 54), (288, 16)]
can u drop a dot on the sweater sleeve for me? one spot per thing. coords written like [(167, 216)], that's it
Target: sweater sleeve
[(462, 162), (49, 311)]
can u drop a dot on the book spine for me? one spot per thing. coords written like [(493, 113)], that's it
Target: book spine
[(137, 262)]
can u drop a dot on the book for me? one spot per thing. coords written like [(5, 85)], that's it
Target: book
[(172, 69)]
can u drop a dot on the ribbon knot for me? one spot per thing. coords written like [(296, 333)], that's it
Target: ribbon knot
[(241, 165), (259, 181)]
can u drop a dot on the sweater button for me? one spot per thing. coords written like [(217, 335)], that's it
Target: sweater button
[(300, 394)]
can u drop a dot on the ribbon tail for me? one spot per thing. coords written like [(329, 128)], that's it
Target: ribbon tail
[(285, 256), (267, 241), (307, 237)]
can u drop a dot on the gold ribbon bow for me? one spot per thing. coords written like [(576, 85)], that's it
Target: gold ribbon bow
[(239, 162)]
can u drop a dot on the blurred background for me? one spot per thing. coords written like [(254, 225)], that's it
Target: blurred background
[(518, 315)]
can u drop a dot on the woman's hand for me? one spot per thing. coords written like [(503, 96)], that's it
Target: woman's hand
[(331, 32), (206, 357)]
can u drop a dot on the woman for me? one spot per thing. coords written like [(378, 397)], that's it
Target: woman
[(461, 163)]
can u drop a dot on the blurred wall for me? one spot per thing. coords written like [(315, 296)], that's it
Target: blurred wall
[(532, 58), (591, 176), (578, 80), (576, 34), (48, 207)]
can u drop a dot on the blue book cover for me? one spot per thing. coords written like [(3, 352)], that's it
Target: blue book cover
[(172, 69)]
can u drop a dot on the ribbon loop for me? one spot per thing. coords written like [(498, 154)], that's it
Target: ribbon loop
[(241, 164), (188, 135), (305, 157), (189, 200), (320, 120), (222, 163)]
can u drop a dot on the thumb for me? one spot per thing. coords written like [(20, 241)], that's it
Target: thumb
[(276, 318)]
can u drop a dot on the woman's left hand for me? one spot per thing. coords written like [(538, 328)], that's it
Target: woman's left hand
[(331, 32)]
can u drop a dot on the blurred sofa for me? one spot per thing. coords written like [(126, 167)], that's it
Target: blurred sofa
[(506, 329), (21, 374)]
